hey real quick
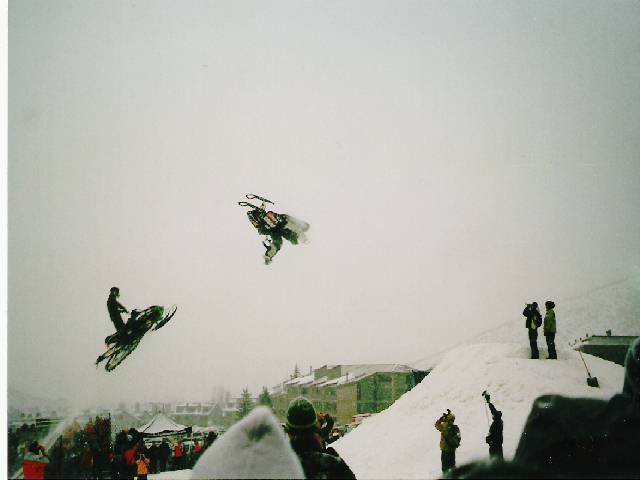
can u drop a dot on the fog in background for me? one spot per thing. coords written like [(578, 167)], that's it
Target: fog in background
[(454, 159)]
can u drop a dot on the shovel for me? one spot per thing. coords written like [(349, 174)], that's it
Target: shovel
[(591, 381)]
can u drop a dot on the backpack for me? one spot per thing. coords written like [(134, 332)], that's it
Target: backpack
[(453, 436)]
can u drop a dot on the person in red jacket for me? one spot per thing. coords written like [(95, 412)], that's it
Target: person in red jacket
[(34, 463), (178, 456), (129, 460)]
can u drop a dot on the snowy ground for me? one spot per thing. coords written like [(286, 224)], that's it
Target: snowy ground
[(174, 475), (402, 442)]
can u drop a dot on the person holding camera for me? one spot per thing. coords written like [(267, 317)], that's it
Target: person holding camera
[(142, 463), (532, 323), (449, 440), (494, 439)]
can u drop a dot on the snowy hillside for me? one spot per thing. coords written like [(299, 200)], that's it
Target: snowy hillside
[(402, 442), (615, 306)]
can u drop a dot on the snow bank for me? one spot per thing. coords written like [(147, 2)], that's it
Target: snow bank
[(171, 475), (401, 442)]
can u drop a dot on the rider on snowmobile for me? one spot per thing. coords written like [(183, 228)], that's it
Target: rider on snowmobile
[(276, 226), (115, 309)]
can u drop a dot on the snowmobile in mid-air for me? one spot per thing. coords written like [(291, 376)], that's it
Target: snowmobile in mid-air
[(123, 342), (274, 226)]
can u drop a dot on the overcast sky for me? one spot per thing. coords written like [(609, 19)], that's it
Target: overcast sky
[(454, 159)]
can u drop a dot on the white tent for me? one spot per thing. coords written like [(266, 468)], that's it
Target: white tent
[(162, 425)]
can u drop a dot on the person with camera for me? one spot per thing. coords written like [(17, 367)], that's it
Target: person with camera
[(449, 440), (142, 463), (494, 439), (532, 323)]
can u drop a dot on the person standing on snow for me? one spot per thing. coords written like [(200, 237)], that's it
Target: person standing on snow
[(494, 439), (550, 329), (115, 309), (449, 440), (533, 321)]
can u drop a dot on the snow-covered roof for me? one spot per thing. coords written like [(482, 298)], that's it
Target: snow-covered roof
[(321, 381), (366, 369), (301, 380), (160, 424)]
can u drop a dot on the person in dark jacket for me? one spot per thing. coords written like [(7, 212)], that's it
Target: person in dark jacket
[(326, 422), (532, 322), (164, 451), (494, 439), (306, 440), (550, 329), (116, 309)]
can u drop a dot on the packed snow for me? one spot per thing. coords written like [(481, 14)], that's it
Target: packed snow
[(401, 442), (171, 475)]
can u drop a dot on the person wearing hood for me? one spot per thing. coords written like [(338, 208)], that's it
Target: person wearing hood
[(550, 329), (306, 440), (255, 447), (449, 440), (532, 322)]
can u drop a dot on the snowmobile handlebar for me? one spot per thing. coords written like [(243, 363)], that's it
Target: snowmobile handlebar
[(251, 196)]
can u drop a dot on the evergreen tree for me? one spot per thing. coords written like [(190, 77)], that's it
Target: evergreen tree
[(265, 398), (245, 404), (296, 371)]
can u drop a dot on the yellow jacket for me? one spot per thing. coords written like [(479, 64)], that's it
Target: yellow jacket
[(143, 469)]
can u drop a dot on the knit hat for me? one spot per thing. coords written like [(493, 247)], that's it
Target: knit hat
[(549, 304), (301, 416)]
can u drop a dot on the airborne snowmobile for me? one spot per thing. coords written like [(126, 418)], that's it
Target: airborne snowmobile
[(274, 226), (124, 341)]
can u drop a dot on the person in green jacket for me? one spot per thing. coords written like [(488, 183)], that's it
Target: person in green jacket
[(550, 329)]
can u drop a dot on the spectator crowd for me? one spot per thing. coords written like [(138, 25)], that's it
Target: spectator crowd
[(87, 452)]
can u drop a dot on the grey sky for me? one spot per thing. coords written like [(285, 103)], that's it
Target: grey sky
[(454, 159)]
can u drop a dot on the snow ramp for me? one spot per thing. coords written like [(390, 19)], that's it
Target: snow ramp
[(401, 442)]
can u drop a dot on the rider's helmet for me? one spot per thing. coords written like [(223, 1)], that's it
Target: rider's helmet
[(114, 291)]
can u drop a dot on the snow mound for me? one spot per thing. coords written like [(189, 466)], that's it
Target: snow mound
[(401, 442)]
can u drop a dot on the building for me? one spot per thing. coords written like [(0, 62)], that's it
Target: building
[(201, 414), (347, 390), (608, 347)]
